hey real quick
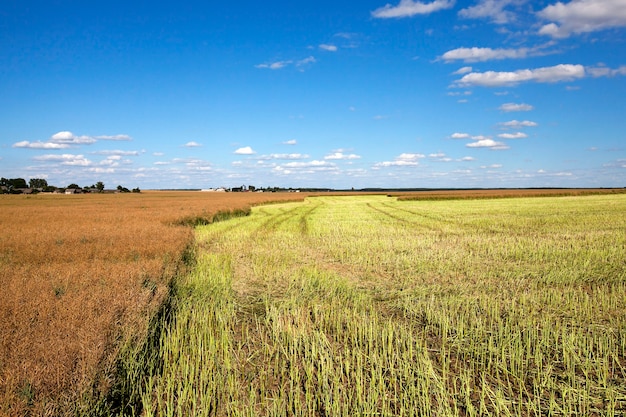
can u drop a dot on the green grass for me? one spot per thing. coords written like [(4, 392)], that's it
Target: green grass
[(371, 306)]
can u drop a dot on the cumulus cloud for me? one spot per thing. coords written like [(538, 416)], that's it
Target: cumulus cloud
[(246, 150), (327, 47), (40, 145), (402, 160), (65, 159), (339, 154), (407, 8), (192, 144), (487, 143), (516, 124), (516, 135), (65, 139), (491, 9), (582, 16), (557, 73), (457, 135), (476, 54), (511, 107), (290, 142)]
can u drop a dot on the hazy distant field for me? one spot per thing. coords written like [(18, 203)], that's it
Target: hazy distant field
[(373, 306)]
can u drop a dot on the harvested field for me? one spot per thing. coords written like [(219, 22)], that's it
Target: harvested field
[(81, 274), (504, 193)]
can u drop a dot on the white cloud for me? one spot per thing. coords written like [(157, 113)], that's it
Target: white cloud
[(510, 107), (65, 159), (468, 159), (117, 152), (582, 16), (557, 73), (463, 70), (476, 54), (305, 61), (290, 142), (516, 124), (340, 155), (274, 65), (69, 138), (460, 136), (310, 164), (440, 157), (330, 48), (114, 137), (402, 160), (487, 143), (40, 145), (246, 150), (491, 9), (516, 135), (285, 156), (192, 144), (65, 139), (602, 71), (407, 8)]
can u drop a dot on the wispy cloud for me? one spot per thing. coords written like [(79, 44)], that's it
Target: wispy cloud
[(282, 64), (290, 142), (516, 135), (192, 144), (491, 9), (582, 16), (284, 156), (274, 65), (117, 152), (517, 124), (407, 8), (511, 107), (329, 48)]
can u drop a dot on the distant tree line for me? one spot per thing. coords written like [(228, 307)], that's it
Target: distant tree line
[(40, 185)]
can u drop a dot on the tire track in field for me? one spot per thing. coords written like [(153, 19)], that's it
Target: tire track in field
[(402, 219)]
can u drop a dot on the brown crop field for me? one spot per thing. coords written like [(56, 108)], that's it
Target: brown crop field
[(82, 274)]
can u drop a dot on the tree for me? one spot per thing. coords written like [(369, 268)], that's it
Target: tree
[(99, 186), (122, 189), (74, 186), (38, 183)]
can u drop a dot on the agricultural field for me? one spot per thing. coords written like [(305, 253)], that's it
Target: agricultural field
[(81, 278), (368, 305)]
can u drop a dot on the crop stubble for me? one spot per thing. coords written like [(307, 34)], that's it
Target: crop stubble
[(367, 305)]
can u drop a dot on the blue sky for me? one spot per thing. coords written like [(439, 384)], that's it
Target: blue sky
[(486, 93)]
